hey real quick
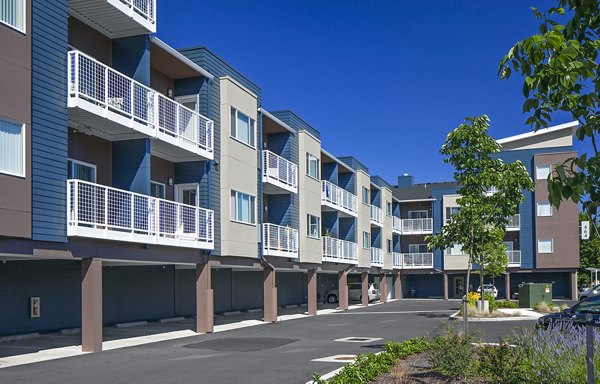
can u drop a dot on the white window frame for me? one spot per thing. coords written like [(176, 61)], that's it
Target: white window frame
[(418, 247), (419, 210), (164, 189), (90, 165), (251, 125), (309, 158), (186, 98), (233, 195), (542, 166), (24, 29), (24, 159), (544, 204), (365, 196), (546, 240), (388, 208), (181, 187), (309, 224), (456, 247), (367, 237)]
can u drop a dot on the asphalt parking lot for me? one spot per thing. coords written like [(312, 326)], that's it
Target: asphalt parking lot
[(269, 353)]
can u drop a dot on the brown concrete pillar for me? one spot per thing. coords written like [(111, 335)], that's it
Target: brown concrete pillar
[(507, 285), (382, 288), (445, 286), (270, 295), (204, 299), (343, 290), (312, 292), (91, 305), (574, 295), (397, 285), (364, 280)]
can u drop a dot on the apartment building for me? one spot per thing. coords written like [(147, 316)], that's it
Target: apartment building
[(141, 182)]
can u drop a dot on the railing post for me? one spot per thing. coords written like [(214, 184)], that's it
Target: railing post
[(132, 213), (157, 214), (105, 207), (76, 202), (105, 98), (197, 227), (76, 63)]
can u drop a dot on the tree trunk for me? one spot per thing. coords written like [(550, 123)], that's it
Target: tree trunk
[(481, 284)]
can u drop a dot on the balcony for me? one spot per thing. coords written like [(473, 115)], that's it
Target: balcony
[(514, 258), (101, 212), (376, 257), (396, 225), (116, 18), (397, 260), (339, 251), (417, 226), (514, 223), (338, 198), (280, 241), (376, 216), (417, 260), (279, 174), (115, 107)]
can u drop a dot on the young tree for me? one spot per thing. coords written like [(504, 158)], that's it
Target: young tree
[(561, 72), (480, 223)]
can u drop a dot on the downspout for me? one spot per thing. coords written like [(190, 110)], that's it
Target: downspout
[(259, 142), (209, 163)]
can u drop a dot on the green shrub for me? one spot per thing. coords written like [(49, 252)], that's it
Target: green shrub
[(502, 364), (507, 304), (452, 353)]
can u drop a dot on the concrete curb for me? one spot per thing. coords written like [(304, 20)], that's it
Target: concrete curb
[(23, 336), (70, 331), (254, 310), (455, 316), (131, 324), (231, 313), (171, 320)]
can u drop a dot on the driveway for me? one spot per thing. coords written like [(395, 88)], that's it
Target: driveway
[(270, 353)]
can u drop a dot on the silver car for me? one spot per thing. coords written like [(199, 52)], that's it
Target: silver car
[(354, 293), (590, 292)]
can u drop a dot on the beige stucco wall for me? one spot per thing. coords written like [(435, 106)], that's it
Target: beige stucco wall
[(386, 231), (363, 221), (453, 262), (561, 138), (309, 196), (239, 170)]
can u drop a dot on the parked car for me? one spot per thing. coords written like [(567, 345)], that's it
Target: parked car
[(489, 288), (514, 293), (354, 293), (593, 291), (573, 314)]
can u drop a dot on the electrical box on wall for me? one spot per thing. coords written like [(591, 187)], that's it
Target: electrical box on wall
[(34, 307)]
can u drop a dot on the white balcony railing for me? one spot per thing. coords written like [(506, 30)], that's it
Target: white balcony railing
[(338, 198), (417, 226), (376, 215), (397, 260), (396, 224), (145, 8), (280, 241), (105, 92), (417, 260), (376, 257), (279, 171), (103, 212), (514, 223), (339, 251), (514, 258)]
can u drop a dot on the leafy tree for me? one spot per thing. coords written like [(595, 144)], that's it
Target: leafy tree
[(480, 223), (561, 72), (589, 252)]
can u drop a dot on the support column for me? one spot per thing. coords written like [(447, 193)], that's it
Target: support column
[(364, 280), (91, 305), (445, 286), (312, 292), (270, 295), (507, 285), (204, 299), (397, 286), (343, 290), (574, 295), (382, 288)]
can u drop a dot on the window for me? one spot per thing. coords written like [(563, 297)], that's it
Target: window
[(366, 240), (81, 171), (365, 196), (388, 208), (243, 208), (450, 211), (157, 190), (389, 246), (190, 101), (12, 147), (314, 224), (312, 166), (418, 214), (544, 209), (243, 128), (455, 250), (417, 248), (12, 13), (545, 245), (542, 172)]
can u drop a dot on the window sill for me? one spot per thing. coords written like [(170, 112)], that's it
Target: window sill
[(313, 237), (243, 222), (314, 178), (21, 31), (6, 173), (241, 142)]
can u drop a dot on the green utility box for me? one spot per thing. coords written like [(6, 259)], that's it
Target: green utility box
[(532, 293)]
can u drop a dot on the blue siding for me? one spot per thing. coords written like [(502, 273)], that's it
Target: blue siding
[(353, 163), (131, 165), (49, 119), (348, 229), (194, 172), (131, 56), (189, 86), (380, 182), (279, 209), (329, 171), (376, 197), (396, 243), (296, 122), (346, 180), (280, 144), (376, 238), (329, 221)]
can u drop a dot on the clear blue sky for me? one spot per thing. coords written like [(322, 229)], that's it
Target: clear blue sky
[(384, 81)]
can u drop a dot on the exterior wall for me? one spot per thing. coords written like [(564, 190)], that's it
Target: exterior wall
[(562, 226), (160, 171), (560, 138), (15, 81), (160, 81), (239, 171), (363, 220), (92, 150), (415, 206), (386, 231), (309, 193), (452, 262), (90, 41)]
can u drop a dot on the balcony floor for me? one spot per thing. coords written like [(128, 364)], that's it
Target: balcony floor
[(111, 18)]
